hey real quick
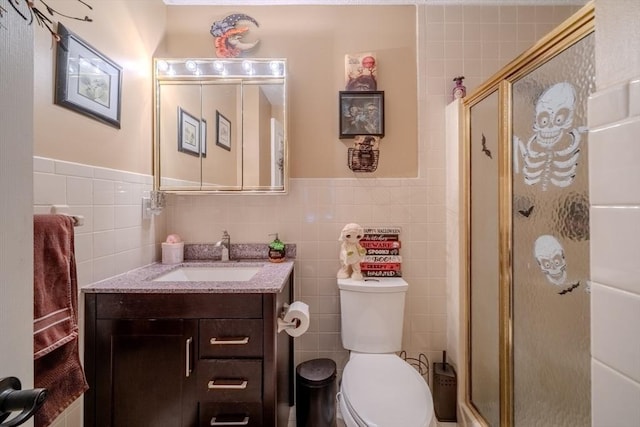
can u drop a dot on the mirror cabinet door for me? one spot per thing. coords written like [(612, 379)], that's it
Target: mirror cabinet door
[(263, 136), (179, 136), (220, 125), (222, 157)]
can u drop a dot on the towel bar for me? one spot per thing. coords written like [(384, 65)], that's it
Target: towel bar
[(78, 220)]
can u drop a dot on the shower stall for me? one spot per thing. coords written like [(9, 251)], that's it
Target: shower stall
[(527, 235)]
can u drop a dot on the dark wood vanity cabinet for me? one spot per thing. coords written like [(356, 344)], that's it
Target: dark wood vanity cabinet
[(185, 359)]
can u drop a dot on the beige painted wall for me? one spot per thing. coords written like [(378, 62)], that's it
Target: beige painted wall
[(315, 39), (128, 32)]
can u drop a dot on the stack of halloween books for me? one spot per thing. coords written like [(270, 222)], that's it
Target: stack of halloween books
[(383, 252)]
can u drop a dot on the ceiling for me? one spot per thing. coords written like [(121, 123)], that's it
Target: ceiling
[(370, 2)]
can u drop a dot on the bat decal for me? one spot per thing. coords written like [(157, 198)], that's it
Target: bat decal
[(485, 150)]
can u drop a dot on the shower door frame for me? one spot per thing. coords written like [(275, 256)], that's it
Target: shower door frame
[(573, 30)]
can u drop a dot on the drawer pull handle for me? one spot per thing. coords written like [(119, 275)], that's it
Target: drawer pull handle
[(227, 384), (188, 356), (225, 421), (229, 341)]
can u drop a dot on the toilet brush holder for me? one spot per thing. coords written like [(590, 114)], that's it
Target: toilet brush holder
[(445, 389)]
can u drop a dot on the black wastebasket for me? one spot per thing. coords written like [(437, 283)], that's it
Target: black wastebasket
[(316, 393)]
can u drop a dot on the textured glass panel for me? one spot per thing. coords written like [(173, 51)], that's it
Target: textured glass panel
[(484, 282), (550, 241)]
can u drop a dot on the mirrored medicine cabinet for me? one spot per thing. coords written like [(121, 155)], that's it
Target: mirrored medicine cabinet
[(220, 125)]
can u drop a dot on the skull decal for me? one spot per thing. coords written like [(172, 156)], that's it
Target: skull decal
[(550, 256), (551, 153), (554, 113)]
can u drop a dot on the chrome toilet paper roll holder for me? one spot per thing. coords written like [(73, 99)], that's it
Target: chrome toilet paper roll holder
[(283, 324)]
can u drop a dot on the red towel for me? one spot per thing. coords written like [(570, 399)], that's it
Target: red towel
[(55, 337), (54, 282)]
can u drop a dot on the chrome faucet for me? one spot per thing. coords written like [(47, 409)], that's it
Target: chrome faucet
[(225, 242)]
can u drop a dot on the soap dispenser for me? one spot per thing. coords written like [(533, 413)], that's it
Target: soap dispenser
[(276, 249)]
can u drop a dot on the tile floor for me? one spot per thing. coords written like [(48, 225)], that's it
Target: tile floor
[(340, 423)]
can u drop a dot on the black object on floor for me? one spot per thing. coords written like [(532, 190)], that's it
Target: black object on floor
[(316, 393), (445, 389)]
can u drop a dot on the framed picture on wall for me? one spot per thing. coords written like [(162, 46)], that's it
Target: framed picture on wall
[(87, 81), (223, 131), (361, 113), (188, 133), (203, 137)]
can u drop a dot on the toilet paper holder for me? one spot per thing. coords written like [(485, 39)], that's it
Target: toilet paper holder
[(283, 324)]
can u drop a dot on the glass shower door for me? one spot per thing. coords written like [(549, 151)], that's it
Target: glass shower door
[(484, 281), (550, 288)]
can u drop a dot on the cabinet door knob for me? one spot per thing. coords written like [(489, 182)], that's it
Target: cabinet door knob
[(227, 384), (229, 340), (224, 421)]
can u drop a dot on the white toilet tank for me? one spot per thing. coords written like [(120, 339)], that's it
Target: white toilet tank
[(372, 313)]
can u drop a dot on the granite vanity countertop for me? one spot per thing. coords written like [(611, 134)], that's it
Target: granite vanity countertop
[(271, 278)]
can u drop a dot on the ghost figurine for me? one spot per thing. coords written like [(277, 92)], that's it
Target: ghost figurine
[(351, 253), (550, 256)]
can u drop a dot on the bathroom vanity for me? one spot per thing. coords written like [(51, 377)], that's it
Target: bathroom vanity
[(188, 353)]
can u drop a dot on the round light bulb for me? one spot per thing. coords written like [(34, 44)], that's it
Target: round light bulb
[(275, 67), (163, 66)]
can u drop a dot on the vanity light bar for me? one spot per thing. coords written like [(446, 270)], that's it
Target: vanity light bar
[(219, 67)]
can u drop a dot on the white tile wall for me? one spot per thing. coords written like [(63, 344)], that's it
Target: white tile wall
[(614, 246), (626, 357), (617, 395), (614, 121), (613, 155), (114, 238)]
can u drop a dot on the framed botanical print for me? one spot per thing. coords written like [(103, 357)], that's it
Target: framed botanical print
[(86, 80)]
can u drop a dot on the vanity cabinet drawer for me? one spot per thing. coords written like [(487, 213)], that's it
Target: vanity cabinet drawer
[(231, 338), (178, 306), (229, 380), (231, 414)]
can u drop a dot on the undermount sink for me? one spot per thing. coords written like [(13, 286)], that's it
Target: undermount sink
[(209, 274)]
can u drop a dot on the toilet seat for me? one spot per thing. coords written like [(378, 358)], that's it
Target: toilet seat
[(382, 390)]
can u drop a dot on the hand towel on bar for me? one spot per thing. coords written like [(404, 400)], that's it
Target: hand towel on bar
[(56, 358), (54, 281)]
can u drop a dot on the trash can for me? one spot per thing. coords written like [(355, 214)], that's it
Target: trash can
[(316, 393)]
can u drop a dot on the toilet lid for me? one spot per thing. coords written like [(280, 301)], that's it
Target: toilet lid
[(385, 391)]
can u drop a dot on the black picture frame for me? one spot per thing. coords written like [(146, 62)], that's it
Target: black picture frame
[(361, 113), (189, 128), (203, 137), (87, 82), (223, 131)]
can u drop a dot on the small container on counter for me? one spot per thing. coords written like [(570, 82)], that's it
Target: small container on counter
[(172, 253), (276, 250)]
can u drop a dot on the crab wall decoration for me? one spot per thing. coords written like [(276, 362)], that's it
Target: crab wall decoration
[(551, 153), (228, 35)]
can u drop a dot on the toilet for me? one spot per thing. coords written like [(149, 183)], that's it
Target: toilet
[(378, 388)]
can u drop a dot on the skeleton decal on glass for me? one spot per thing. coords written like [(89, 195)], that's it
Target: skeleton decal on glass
[(551, 153), (550, 255)]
